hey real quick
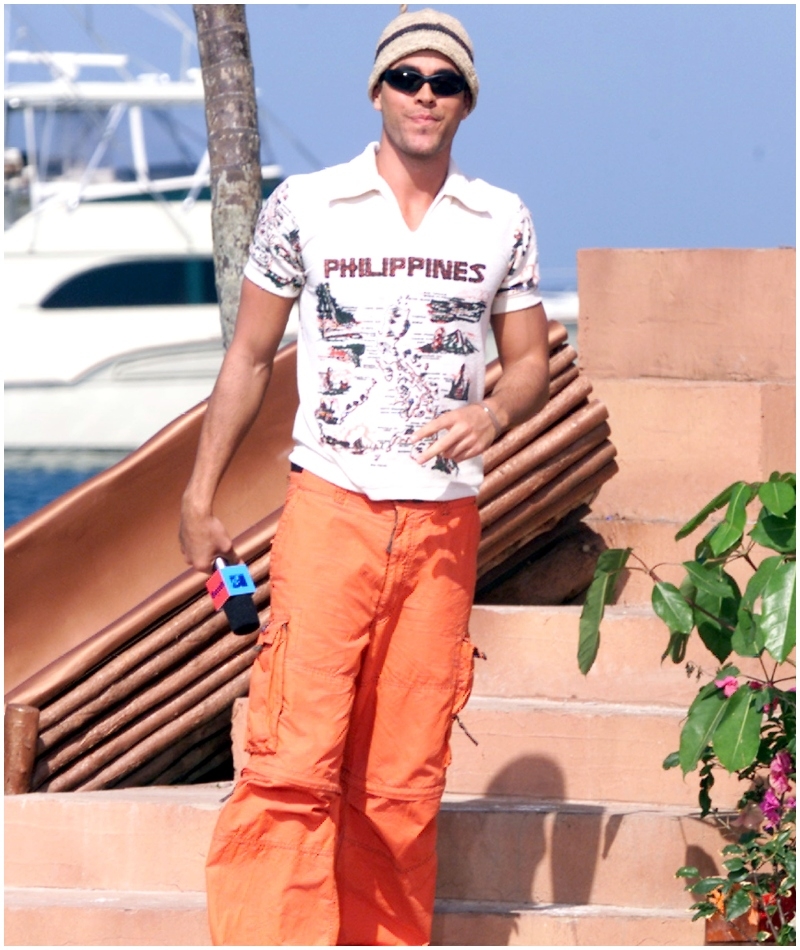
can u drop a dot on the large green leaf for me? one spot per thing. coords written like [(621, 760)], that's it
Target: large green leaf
[(776, 625), (749, 636), (744, 641), (610, 565), (738, 903), (591, 617), (708, 578), (701, 724), (757, 583), (776, 532), (729, 532), (723, 538), (738, 734), (703, 551), (777, 497), (613, 560), (715, 504), (716, 609), (670, 606)]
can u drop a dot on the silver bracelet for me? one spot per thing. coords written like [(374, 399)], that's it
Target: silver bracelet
[(495, 422)]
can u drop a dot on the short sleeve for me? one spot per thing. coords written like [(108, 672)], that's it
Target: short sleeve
[(519, 288), (276, 259)]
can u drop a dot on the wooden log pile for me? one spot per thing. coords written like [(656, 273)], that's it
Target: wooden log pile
[(158, 711)]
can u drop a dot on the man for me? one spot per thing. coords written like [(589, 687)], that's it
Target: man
[(399, 262)]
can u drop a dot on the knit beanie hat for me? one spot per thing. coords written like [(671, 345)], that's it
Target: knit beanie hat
[(411, 33)]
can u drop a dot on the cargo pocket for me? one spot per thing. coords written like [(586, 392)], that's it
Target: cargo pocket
[(265, 701), (465, 673)]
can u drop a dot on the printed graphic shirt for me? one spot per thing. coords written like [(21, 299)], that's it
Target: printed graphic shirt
[(393, 322)]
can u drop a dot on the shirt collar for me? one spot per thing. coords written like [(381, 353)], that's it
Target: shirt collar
[(362, 177)]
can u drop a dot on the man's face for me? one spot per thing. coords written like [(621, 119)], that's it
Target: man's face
[(420, 124)]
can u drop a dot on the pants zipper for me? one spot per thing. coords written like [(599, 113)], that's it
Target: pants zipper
[(394, 531)]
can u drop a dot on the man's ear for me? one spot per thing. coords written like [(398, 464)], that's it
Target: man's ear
[(376, 98)]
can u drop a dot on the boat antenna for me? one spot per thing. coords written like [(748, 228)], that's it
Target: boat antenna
[(99, 40), (165, 13)]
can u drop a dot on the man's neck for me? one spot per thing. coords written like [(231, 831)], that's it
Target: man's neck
[(415, 181)]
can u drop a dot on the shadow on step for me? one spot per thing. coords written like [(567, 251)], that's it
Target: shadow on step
[(500, 854), (572, 869)]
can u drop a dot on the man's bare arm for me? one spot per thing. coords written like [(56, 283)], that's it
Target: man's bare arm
[(234, 404), (521, 391)]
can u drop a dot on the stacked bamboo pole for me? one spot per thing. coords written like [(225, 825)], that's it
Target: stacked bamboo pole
[(158, 711), (20, 729)]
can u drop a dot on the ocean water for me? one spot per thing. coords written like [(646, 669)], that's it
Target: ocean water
[(26, 490)]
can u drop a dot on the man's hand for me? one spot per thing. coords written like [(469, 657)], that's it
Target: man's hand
[(469, 432), (203, 537), (520, 392)]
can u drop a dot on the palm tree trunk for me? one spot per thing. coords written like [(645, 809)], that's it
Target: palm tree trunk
[(233, 146)]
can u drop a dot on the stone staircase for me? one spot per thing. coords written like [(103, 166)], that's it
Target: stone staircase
[(560, 827)]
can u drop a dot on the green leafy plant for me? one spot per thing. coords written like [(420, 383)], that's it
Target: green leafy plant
[(745, 725)]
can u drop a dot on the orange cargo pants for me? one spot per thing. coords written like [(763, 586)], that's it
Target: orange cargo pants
[(330, 834)]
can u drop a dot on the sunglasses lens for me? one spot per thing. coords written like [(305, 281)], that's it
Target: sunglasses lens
[(404, 80), (409, 80), (447, 84)]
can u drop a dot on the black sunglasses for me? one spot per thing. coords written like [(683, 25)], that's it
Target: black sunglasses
[(407, 79)]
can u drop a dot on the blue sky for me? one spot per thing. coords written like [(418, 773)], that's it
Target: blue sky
[(631, 125)]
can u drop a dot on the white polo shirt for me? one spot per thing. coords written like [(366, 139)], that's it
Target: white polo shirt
[(393, 322)]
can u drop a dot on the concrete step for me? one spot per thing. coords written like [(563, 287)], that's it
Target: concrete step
[(474, 923), (531, 652), (490, 848), (547, 750), (585, 854), (138, 839), (125, 867), (58, 917), (73, 917)]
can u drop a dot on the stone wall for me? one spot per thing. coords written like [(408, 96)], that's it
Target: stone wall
[(693, 353)]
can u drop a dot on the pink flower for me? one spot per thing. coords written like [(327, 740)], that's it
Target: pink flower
[(779, 772), (728, 685), (772, 810)]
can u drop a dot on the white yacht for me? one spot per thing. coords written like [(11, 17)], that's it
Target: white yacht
[(111, 323)]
